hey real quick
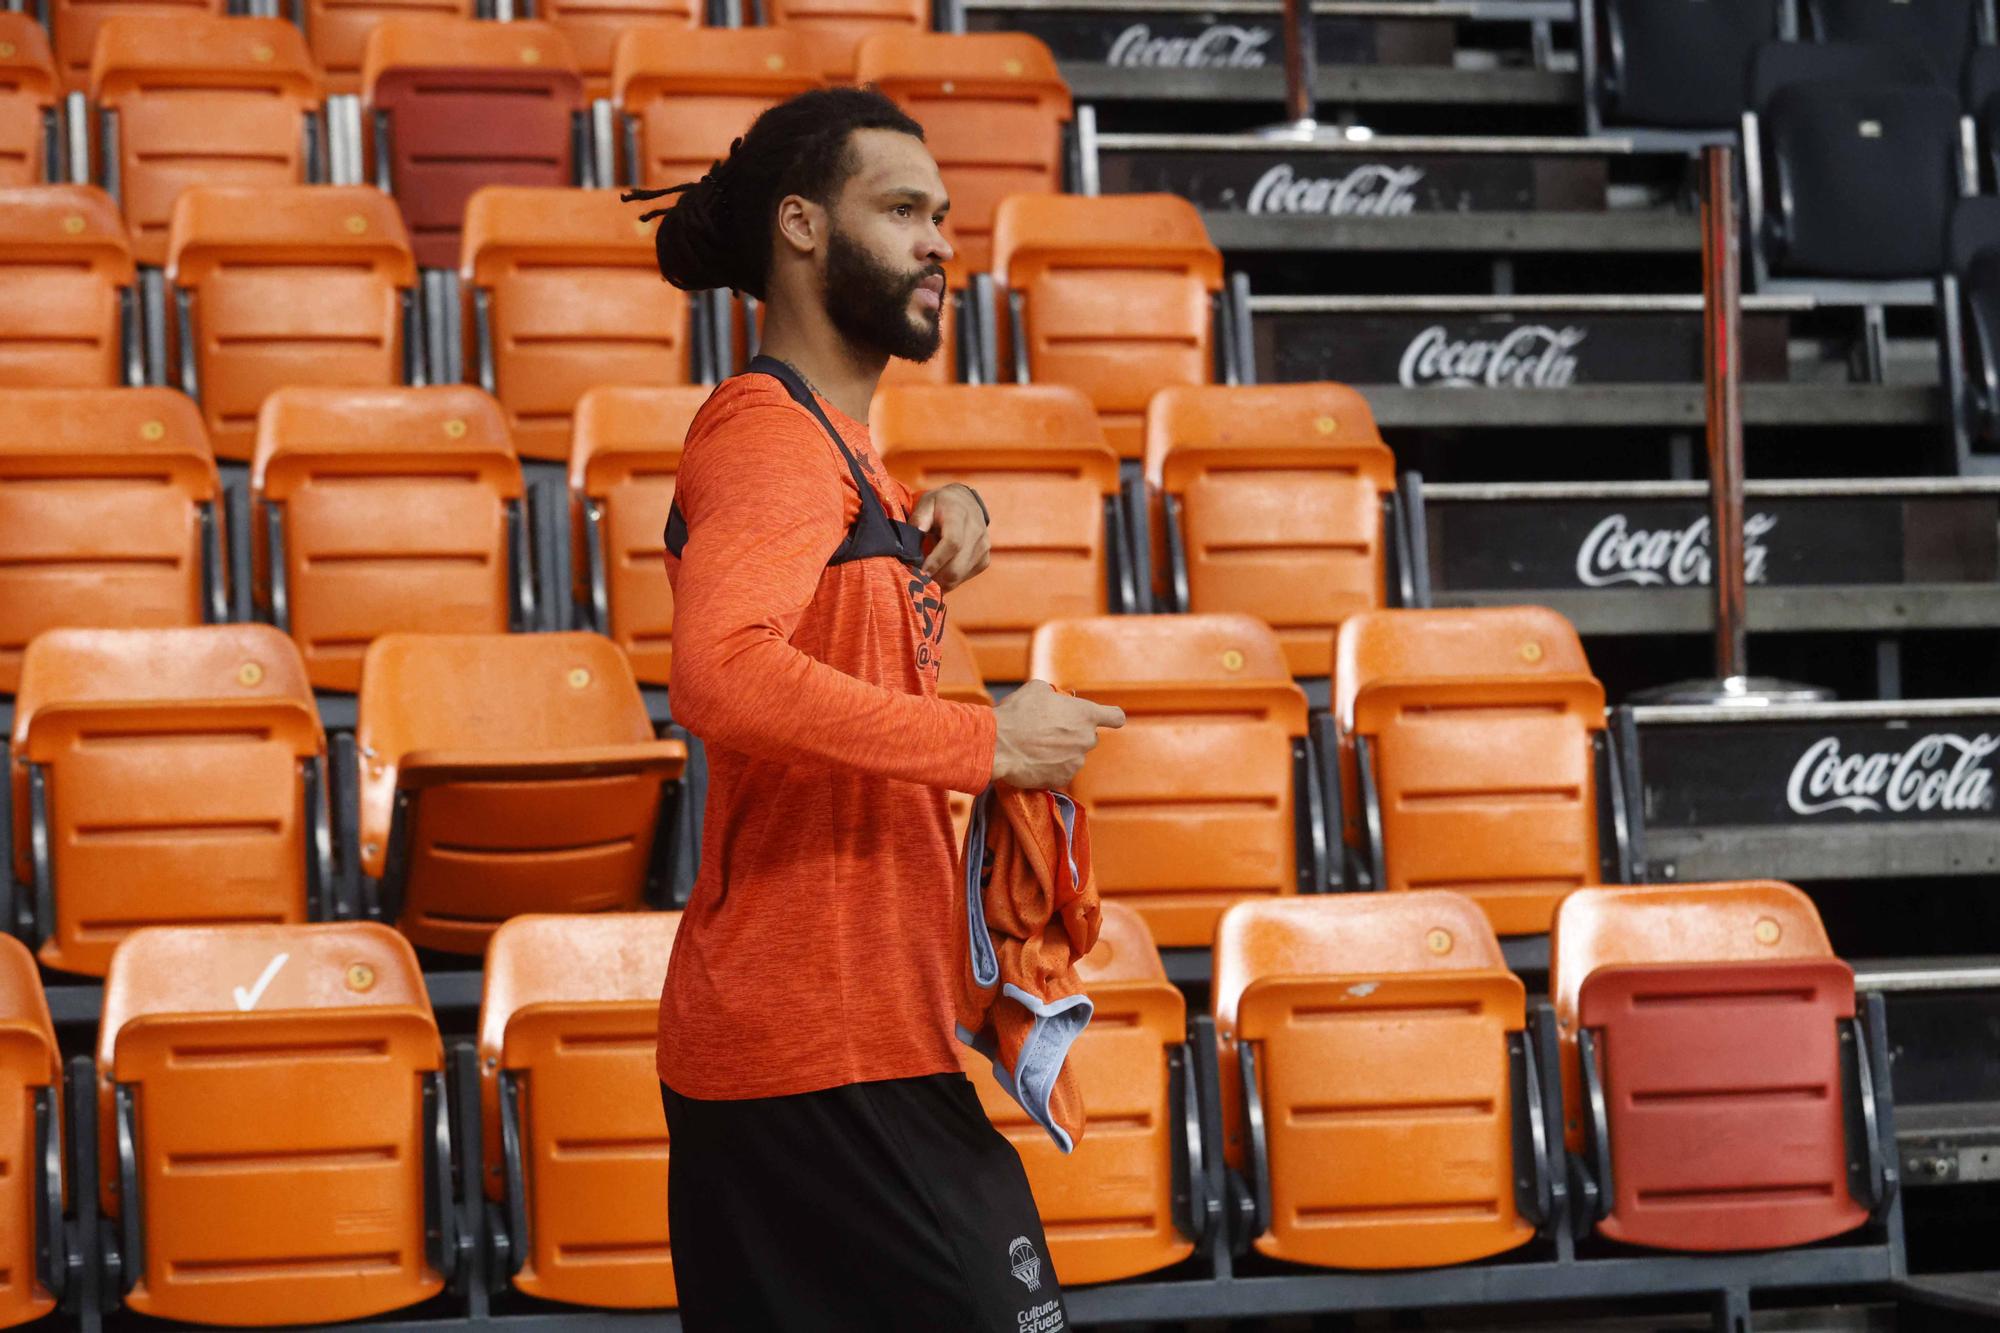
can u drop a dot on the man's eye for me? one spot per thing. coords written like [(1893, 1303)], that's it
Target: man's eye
[(903, 210)]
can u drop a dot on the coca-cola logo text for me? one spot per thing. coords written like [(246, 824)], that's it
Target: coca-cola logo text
[(1372, 191), (1528, 356), (1615, 552), (1941, 772), (1218, 46)]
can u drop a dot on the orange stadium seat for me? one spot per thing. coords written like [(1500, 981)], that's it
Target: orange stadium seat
[(1114, 296), (1391, 1137), (31, 148), (452, 105), (565, 293), (200, 101), (337, 30), (1037, 458), (1108, 1208), (32, 1242), (575, 1142), (108, 515), (835, 28), (111, 838), (1711, 1056), (1474, 735), (622, 466), (74, 25), (1269, 500), (594, 28), (378, 510), (507, 773), (684, 95), (993, 108), (271, 1107), (1207, 794), (959, 680), (66, 290), (290, 285)]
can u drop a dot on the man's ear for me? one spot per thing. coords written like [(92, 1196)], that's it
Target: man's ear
[(801, 223)]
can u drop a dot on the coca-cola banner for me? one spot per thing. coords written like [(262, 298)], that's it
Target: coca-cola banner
[(1296, 182), (1811, 774), (1168, 40), (1530, 350)]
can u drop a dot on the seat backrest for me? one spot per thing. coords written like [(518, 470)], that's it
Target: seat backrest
[(593, 28), (469, 104), (568, 1018), (288, 285), (1981, 80), (201, 101), (28, 93), (1938, 31), (337, 31), (1280, 493), (993, 107), (834, 29), (1117, 293), (394, 512), (97, 477), (1776, 65), (1037, 457), (573, 298), (276, 1049), (1388, 1134), (1975, 227), (691, 93), (74, 25), (221, 834), (624, 459), (1681, 63), (30, 1069), (65, 277), (1473, 641), (1213, 718)]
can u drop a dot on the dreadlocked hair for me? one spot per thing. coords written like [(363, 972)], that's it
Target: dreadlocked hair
[(718, 232)]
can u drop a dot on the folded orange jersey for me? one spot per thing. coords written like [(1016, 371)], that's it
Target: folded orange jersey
[(1028, 912)]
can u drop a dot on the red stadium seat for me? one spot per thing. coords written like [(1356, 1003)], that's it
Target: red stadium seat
[(66, 290), (29, 91), (31, 1143), (576, 1145), (200, 101), (451, 105), (270, 1106)]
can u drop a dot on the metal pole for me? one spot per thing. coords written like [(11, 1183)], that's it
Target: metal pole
[(1300, 64), (1722, 310)]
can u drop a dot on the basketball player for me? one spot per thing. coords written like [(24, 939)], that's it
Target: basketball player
[(831, 1166)]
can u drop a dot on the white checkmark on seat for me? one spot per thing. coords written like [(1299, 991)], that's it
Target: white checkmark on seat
[(247, 999)]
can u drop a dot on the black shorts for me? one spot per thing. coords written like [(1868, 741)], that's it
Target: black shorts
[(890, 1207)]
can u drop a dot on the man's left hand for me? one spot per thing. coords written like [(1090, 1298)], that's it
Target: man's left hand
[(953, 518)]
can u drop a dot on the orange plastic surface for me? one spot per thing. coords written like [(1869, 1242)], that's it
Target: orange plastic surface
[(571, 1010), (277, 1076), (1280, 490), (99, 512), (29, 1061), (624, 458), (484, 848), (695, 91), (338, 31), (201, 101), (64, 263), (1107, 1208), (834, 29), (394, 505), (575, 300), (1037, 458), (1191, 802), (175, 788), (993, 107), (75, 25)]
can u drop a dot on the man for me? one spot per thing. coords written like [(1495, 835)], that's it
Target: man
[(832, 1168)]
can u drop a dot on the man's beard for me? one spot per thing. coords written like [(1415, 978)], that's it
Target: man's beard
[(869, 302)]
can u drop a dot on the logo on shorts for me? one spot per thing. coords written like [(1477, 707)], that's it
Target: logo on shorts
[(1027, 1265)]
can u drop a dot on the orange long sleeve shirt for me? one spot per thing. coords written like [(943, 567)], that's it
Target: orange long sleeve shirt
[(817, 946)]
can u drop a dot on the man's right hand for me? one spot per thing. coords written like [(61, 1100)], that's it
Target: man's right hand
[(1042, 736)]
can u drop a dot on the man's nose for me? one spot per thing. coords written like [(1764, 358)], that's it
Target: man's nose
[(936, 247)]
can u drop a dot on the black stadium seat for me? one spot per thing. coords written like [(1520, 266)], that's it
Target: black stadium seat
[(1858, 149), (1940, 31), (1977, 95), (1679, 63), (1969, 326)]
